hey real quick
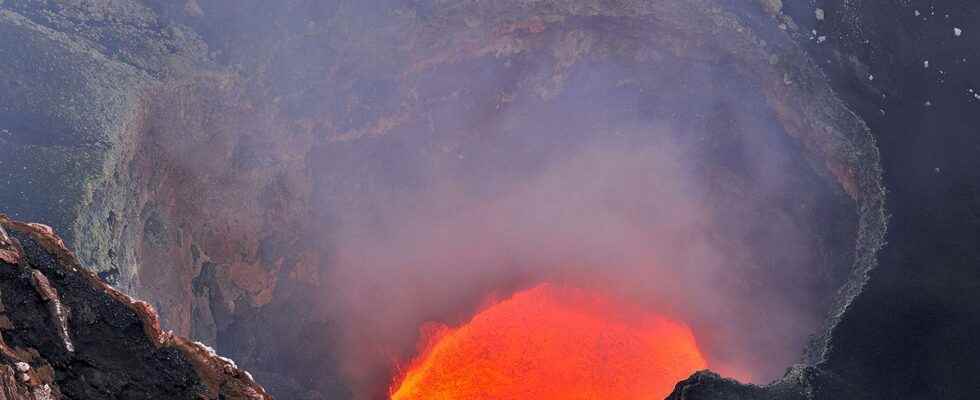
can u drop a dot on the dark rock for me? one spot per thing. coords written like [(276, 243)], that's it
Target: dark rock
[(69, 335), (799, 383)]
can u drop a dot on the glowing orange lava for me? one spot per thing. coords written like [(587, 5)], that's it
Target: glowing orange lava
[(553, 343)]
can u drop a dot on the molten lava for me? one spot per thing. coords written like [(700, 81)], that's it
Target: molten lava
[(552, 343)]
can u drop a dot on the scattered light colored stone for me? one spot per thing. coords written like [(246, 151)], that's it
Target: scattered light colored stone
[(22, 367), (957, 32), (821, 39), (193, 9), (774, 6), (43, 392), (925, 64), (819, 13), (229, 361), (871, 77)]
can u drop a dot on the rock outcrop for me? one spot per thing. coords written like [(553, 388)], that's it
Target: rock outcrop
[(799, 383), (64, 334)]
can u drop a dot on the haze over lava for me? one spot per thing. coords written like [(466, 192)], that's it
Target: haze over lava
[(652, 152), (554, 343), (644, 222)]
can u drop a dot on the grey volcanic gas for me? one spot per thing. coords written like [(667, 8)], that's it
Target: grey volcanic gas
[(651, 155), (306, 184)]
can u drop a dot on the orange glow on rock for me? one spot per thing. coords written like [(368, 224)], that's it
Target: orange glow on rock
[(553, 343)]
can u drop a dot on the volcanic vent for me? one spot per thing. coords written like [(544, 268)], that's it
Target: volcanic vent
[(554, 343), (367, 169), (668, 160)]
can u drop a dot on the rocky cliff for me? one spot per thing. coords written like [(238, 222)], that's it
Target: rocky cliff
[(144, 136), (64, 334)]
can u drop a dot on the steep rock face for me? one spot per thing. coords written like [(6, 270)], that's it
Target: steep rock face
[(170, 185), (66, 334), (174, 183), (912, 333), (71, 112), (223, 194)]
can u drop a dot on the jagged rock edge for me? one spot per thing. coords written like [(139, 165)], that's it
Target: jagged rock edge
[(215, 372)]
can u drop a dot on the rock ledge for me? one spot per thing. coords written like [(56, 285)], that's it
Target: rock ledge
[(66, 334)]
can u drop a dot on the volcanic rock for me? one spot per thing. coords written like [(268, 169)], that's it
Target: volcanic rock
[(68, 335), (799, 383)]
